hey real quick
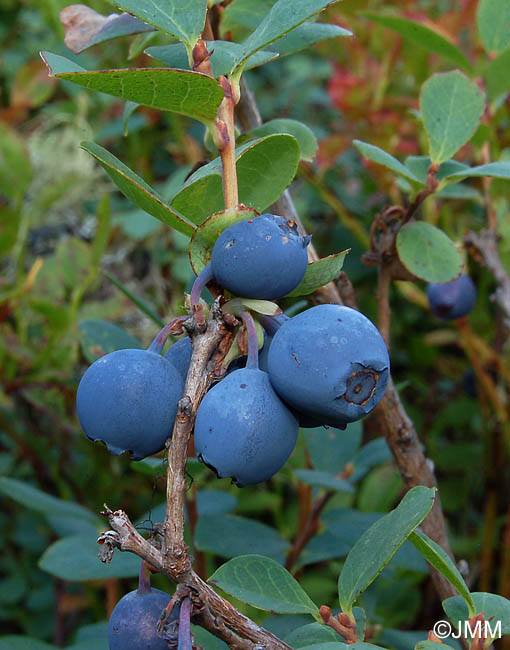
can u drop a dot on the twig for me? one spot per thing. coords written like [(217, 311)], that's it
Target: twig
[(308, 530), (205, 340), (224, 619), (485, 244), (383, 301)]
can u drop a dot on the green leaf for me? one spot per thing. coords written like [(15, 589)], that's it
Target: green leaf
[(329, 645), (320, 273), (381, 157), (497, 75), (264, 584), (142, 306), (441, 561), (341, 446), (181, 91), (490, 604), (428, 253), (15, 167), (493, 22), (283, 16), (419, 166), (493, 169), (75, 559), (22, 642), (323, 479), (310, 634), (432, 645), (207, 233), (229, 536), (305, 36), (98, 337), (325, 546), (303, 134), (451, 107), (207, 640), (137, 190), (222, 58), (35, 499), (183, 19), (98, 29), (379, 543), (265, 168), (423, 36)]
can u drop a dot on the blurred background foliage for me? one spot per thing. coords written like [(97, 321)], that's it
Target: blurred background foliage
[(65, 231)]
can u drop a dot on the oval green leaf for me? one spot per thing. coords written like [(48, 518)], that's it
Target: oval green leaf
[(320, 273), (75, 559), (423, 36), (207, 233), (263, 583), (323, 479), (229, 536), (283, 16), (99, 337), (35, 499), (137, 190), (491, 605), (180, 91), (303, 134), (451, 107), (381, 157), (497, 75), (265, 168), (493, 22), (428, 253), (305, 36), (375, 548), (493, 169), (183, 19), (310, 634), (441, 561)]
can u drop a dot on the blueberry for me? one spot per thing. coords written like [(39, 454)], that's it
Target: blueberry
[(263, 257), (179, 355), (329, 363), (453, 299), (128, 400), (132, 625), (243, 430)]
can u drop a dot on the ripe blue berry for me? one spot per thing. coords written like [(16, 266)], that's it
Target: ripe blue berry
[(263, 257), (329, 363), (453, 299), (243, 430), (133, 622), (128, 400), (179, 355)]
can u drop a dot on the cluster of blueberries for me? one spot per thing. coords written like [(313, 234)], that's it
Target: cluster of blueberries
[(327, 365)]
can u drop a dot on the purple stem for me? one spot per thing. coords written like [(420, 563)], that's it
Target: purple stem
[(272, 324), (185, 625), (253, 344), (144, 579), (205, 276), (159, 342)]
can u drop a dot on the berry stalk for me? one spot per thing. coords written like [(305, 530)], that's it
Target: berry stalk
[(253, 346)]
